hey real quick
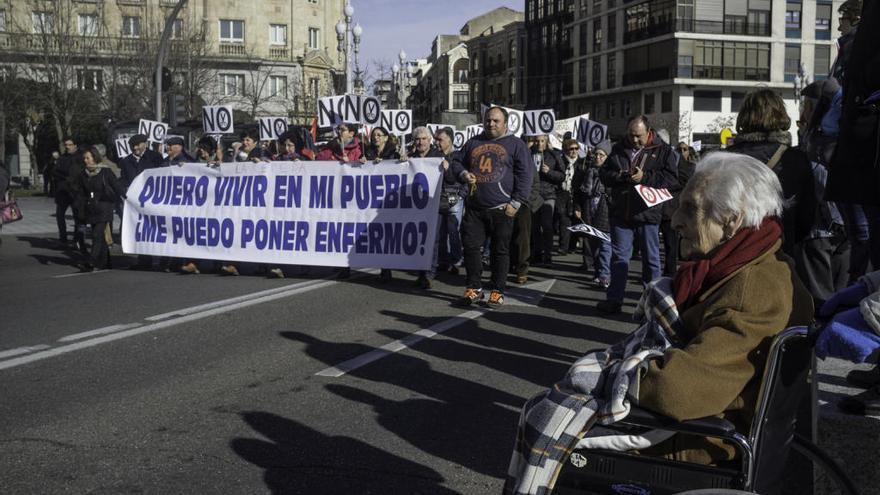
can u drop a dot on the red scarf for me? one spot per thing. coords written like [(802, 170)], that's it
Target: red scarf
[(694, 277)]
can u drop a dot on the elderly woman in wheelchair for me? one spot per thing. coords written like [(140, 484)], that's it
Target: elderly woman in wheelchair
[(702, 346)]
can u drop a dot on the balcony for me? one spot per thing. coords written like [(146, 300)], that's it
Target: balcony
[(58, 44), (725, 73), (649, 75), (718, 27), (279, 53), (232, 49), (649, 31)]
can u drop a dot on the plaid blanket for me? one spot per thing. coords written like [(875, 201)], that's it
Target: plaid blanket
[(596, 390)]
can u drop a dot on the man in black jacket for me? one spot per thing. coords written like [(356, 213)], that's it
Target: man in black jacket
[(140, 159), (498, 169), (550, 172), (641, 159), (66, 172)]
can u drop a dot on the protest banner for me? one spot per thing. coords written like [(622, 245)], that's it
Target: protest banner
[(583, 228), (459, 140), (591, 133), (272, 127), (472, 130), (155, 131), (398, 122), (349, 109), (652, 196), (217, 119), (315, 213), (538, 122), (122, 148), (514, 118)]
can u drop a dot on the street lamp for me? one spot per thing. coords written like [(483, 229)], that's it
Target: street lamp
[(348, 39), (401, 75)]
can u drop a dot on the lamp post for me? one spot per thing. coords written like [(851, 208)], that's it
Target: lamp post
[(348, 39), (401, 75)]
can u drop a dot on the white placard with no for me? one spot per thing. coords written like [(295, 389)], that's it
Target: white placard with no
[(271, 128), (583, 228), (217, 119), (155, 131), (652, 196)]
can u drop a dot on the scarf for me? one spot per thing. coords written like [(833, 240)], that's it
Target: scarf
[(694, 277), (569, 174)]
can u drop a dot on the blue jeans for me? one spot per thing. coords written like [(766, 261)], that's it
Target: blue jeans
[(601, 252), (450, 238), (623, 236)]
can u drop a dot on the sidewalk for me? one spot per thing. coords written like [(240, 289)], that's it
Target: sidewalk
[(39, 218)]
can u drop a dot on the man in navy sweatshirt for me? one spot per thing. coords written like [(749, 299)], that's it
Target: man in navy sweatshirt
[(498, 169)]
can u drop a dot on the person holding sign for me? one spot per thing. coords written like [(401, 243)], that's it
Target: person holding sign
[(140, 159), (422, 149), (292, 148), (345, 148), (498, 169), (591, 207), (642, 158)]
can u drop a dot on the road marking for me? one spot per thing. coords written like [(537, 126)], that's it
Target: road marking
[(529, 295), (46, 352), (79, 274), (22, 350), (98, 331)]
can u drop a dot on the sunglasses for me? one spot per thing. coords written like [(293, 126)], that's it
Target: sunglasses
[(574, 149)]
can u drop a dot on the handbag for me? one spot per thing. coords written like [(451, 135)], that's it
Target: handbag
[(9, 210)]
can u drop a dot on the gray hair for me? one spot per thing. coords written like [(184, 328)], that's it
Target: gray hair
[(738, 185), (421, 130)]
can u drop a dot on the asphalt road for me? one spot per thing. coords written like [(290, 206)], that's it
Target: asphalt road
[(145, 382)]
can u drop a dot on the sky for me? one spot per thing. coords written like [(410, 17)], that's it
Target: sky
[(390, 25)]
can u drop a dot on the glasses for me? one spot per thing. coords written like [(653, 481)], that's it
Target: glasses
[(574, 149)]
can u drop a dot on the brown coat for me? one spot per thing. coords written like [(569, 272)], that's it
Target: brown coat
[(727, 334)]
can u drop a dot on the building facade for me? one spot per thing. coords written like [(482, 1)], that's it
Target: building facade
[(548, 26), (688, 64), (497, 71), (442, 91), (273, 60)]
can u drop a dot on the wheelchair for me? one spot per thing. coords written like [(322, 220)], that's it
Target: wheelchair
[(778, 440)]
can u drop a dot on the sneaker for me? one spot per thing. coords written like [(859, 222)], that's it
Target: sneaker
[(521, 279), (496, 298), (423, 282), (471, 296), (601, 282), (229, 270), (609, 307), (864, 378), (189, 268), (276, 273)]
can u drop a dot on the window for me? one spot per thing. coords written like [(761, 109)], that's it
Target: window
[(313, 1), (278, 34), (612, 70), (666, 101), (611, 108), (597, 34), (92, 80), (703, 59), (314, 39), (707, 101), (177, 29), (314, 89), (597, 77), (626, 107), (232, 84), (131, 27), (582, 76), (686, 66), (511, 85), (511, 52), (44, 22), (278, 86), (823, 21), (736, 101), (2, 20), (821, 61), (582, 39), (792, 61), (612, 29), (649, 104), (231, 31), (460, 100), (793, 20), (460, 71), (88, 24)]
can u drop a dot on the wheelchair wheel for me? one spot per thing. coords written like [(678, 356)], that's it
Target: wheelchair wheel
[(828, 474)]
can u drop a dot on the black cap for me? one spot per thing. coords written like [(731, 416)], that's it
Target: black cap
[(174, 140), (136, 140)]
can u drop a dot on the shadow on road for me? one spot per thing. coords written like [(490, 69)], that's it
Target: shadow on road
[(462, 410), (299, 459)]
